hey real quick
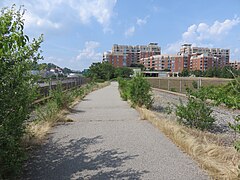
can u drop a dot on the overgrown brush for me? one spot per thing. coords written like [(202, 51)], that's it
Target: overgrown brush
[(220, 161), (195, 114), (137, 90), (227, 94), (17, 57), (124, 86)]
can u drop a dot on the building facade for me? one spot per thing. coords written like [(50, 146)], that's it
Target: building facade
[(213, 57), (235, 65), (125, 55), (189, 57)]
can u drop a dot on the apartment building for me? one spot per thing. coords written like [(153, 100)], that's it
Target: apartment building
[(125, 55), (158, 62), (201, 61), (235, 65), (173, 63), (218, 56)]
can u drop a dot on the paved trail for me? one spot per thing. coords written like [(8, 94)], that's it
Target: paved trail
[(107, 140)]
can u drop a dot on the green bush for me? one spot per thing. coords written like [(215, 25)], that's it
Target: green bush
[(236, 128), (227, 94), (124, 86), (137, 90), (195, 114), (17, 91), (140, 92), (195, 84)]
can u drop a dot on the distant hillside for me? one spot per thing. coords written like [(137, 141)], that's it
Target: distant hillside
[(49, 66)]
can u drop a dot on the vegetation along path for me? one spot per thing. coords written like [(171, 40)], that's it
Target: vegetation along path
[(107, 140)]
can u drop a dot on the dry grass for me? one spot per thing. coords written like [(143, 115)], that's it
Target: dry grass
[(219, 161), (37, 130)]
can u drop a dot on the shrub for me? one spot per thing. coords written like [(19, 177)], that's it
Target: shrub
[(195, 114), (17, 58), (195, 84), (140, 92), (124, 86), (226, 94)]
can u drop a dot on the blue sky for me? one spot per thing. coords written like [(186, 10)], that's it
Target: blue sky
[(77, 32)]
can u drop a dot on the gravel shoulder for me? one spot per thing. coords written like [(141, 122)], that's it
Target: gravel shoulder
[(165, 102), (107, 140)]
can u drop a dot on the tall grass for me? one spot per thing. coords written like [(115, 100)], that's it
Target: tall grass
[(219, 161)]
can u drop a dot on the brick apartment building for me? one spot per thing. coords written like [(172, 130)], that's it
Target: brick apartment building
[(125, 55), (174, 63), (235, 65), (201, 58), (189, 57)]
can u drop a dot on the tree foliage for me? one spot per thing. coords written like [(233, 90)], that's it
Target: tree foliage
[(123, 72), (18, 56), (106, 71)]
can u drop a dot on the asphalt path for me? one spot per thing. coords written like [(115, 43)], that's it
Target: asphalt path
[(108, 140)]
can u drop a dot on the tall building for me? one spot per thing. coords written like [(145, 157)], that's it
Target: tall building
[(235, 65), (218, 56), (125, 55), (201, 61), (173, 63)]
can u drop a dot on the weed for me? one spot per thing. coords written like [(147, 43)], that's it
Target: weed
[(195, 114)]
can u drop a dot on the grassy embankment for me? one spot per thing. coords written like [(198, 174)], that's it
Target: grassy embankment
[(220, 161)]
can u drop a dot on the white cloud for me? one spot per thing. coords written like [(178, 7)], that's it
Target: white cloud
[(42, 13), (31, 20), (88, 55), (101, 10), (130, 31), (215, 31), (204, 35), (142, 22)]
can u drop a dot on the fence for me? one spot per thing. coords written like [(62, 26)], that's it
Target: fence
[(179, 84), (68, 83)]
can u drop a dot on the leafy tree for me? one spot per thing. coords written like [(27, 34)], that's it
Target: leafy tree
[(197, 73), (17, 57), (100, 70), (67, 70), (123, 72), (184, 73)]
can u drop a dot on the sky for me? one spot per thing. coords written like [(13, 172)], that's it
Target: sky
[(77, 32)]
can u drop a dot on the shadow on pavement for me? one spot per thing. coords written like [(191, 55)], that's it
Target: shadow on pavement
[(75, 160), (73, 110)]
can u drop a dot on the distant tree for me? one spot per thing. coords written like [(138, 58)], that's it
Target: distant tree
[(123, 72), (18, 56), (104, 71), (184, 73), (67, 70), (197, 73)]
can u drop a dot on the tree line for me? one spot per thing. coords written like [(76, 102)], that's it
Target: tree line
[(103, 71), (225, 72)]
